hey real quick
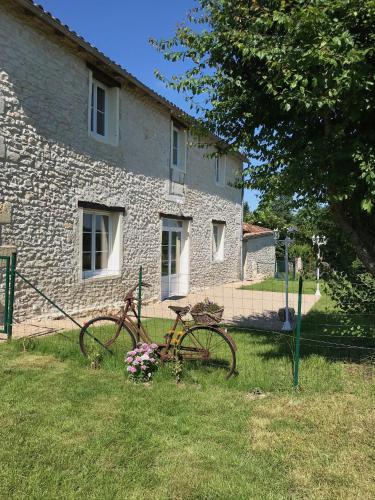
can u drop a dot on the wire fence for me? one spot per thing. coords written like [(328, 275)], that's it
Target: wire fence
[(253, 310)]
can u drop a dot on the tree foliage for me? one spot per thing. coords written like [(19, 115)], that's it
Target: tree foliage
[(291, 84)]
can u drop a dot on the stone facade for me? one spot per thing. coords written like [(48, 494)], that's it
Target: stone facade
[(49, 163), (258, 256)]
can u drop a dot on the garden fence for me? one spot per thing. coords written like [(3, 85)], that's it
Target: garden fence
[(251, 312)]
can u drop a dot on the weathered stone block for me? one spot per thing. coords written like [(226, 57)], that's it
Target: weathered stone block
[(7, 250), (5, 212)]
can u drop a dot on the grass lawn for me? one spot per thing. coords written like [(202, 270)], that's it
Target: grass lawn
[(276, 285), (71, 432)]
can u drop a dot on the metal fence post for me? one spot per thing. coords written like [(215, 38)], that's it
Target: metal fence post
[(298, 335), (6, 299), (9, 326), (140, 295)]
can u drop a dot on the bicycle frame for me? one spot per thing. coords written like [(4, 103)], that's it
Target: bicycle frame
[(139, 331)]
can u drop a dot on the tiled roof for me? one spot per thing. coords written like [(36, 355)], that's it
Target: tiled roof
[(251, 230), (106, 64)]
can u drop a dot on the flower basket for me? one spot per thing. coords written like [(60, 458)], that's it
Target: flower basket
[(206, 313)]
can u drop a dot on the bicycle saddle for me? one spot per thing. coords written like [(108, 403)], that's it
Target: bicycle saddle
[(181, 310)]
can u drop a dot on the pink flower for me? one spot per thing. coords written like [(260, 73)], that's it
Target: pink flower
[(145, 357), (144, 346), (152, 360), (132, 353), (143, 367), (153, 345), (138, 359), (131, 369), (129, 359)]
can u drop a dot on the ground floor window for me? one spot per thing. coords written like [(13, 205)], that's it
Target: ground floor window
[(218, 231), (100, 243)]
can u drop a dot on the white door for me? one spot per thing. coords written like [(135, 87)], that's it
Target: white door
[(171, 258)]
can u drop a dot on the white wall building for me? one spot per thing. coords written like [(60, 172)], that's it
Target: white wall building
[(259, 254), (104, 175)]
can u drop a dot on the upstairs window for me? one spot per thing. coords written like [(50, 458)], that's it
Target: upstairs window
[(220, 170), (218, 230), (99, 109), (178, 159), (178, 147), (103, 110)]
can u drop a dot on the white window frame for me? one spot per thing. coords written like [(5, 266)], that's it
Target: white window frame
[(220, 170), (93, 110), (181, 134), (218, 253), (112, 112), (114, 244)]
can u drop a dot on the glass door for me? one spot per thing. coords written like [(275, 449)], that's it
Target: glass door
[(171, 257)]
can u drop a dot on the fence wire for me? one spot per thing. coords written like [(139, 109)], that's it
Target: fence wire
[(251, 311)]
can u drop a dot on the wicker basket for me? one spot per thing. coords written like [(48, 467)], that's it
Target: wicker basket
[(207, 317)]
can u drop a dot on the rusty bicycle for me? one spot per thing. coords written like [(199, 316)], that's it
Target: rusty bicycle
[(207, 347)]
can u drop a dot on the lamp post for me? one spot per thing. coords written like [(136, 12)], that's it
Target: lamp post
[(287, 327), (318, 241)]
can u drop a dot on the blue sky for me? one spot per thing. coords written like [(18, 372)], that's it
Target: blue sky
[(121, 29)]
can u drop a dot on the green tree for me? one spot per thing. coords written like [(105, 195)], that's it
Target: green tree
[(291, 84)]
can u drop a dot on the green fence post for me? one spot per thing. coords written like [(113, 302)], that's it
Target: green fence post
[(140, 295), (13, 263), (6, 299), (298, 335)]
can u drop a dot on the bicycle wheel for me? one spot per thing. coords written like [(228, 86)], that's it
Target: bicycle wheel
[(209, 349), (105, 335)]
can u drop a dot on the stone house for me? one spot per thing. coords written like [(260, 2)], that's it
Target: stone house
[(258, 252), (104, 175)]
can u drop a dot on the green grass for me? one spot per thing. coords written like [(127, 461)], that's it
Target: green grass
[(71, 432), (276, 285)]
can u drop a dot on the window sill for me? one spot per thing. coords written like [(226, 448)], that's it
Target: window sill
[(217, 260), (100, 276), (103, 139)]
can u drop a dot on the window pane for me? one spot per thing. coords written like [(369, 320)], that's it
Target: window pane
[(164, 252), (100, 120), (87, 223), (86, 242), (100, 99), (86, 261), (164, 240), (102, 223), (92, 107), (101, 260), (173, 267), (175, 147), (164, 268)]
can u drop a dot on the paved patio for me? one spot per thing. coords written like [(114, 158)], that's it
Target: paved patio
[(244, 308), (251, 308)]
